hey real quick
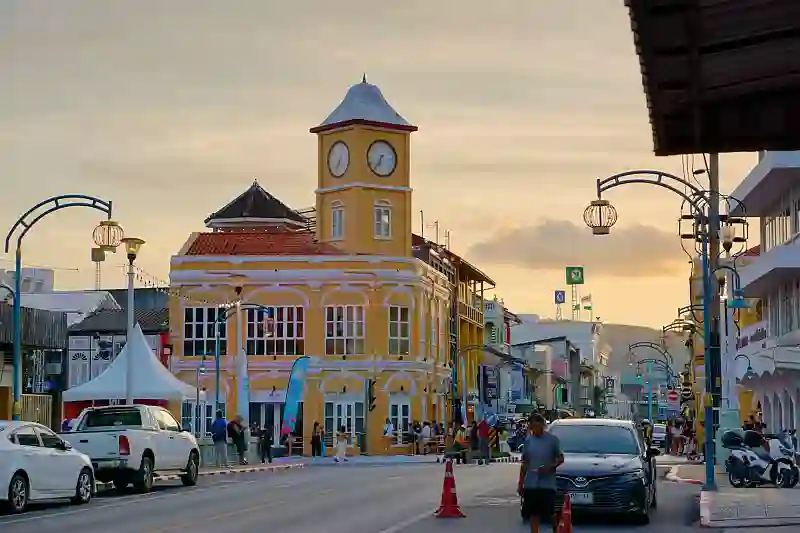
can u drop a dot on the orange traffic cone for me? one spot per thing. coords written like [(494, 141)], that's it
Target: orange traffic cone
[(565, 521), (449, 507)]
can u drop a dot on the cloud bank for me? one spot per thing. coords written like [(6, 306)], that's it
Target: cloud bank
[(637, 251)]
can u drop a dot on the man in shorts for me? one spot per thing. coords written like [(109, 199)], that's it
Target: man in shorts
[(537, 475)]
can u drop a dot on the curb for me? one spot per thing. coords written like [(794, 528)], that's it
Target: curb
[(511, 459), (673, 477), (176, 477), (705, 509)]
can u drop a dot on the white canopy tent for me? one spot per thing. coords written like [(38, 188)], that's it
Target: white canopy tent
[(151, 380)]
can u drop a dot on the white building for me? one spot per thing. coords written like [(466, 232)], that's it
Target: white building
[(771, 192), (504, 384), (76, 304), (34, 280)]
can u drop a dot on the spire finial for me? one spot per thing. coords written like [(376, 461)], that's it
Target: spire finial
[(364, 78)]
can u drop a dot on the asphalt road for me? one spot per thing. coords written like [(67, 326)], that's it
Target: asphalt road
[(387, 499)]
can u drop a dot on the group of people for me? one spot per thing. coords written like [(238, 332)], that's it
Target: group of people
[(680, 438), (234, 430)]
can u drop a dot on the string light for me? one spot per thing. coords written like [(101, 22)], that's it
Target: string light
[(150, 281)]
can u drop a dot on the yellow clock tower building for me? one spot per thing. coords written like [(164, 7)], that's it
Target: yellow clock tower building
[(363, 190)]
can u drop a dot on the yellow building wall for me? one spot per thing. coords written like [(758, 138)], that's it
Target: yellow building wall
[(331, 381)]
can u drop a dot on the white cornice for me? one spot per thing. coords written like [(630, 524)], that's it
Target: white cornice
[(314, 259), (363, 185), (292, 276)]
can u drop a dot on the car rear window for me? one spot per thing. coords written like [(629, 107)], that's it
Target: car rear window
[(595, 438), (112, 418)]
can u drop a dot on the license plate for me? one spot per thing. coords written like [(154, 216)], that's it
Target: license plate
[(582, 498)]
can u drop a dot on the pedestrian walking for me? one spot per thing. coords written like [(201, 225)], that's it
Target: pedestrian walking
[(238, 436), (265, 440), (341, 445), (316, 441), (219, 437), (537, 475), (388, 435)]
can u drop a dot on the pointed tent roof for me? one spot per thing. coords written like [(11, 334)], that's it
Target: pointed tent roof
[(255, 205), (364, 104), (151, 380)]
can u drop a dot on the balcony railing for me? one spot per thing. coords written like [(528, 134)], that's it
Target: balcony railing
[(470, 313)]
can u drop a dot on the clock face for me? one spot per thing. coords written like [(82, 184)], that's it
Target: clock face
[(381, 158), (338, 159)]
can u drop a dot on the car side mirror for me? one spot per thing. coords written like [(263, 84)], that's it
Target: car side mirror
[(66, 446), (653, 452)]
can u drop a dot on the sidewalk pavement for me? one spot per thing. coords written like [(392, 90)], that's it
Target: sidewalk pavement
[(664, 460), (237, 469), (753, 507), (728, 507)]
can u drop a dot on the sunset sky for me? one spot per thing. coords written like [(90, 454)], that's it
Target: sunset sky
[(170, 109)]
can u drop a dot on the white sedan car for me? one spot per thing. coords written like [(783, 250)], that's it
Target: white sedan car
[(36, 464)]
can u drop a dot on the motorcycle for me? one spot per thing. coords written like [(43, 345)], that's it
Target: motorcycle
[(757, 459)]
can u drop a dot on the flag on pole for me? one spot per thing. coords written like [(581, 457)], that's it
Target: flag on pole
[(586, 302)]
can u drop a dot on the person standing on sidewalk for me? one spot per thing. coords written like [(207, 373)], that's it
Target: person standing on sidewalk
[(483, 441), (316, 441), (219, 436), (537, 474), (237, 434), (265, 440)]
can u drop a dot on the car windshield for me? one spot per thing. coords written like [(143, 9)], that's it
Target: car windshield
[(659, 428), (586, 438)]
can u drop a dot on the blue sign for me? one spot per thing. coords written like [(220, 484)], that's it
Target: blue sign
[(561, 297)]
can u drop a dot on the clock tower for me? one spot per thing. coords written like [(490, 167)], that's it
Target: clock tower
[(363, 167)]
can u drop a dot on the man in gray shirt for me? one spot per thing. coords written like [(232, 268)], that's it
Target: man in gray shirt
[(537, 476)]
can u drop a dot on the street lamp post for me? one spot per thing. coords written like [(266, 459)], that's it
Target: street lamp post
[(18, 230), (201, 369), (132, 247), (600, 216), (224, 312)]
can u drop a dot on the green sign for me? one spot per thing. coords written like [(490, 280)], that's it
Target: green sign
[(574, 275)]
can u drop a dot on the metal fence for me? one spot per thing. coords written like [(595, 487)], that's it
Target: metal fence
[(37, 408)]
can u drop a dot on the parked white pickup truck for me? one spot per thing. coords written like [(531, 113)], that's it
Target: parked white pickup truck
[(131, 443)]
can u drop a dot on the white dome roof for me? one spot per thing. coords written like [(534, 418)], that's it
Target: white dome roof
[(364, 102)]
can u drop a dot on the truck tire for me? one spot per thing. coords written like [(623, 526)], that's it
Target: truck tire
[(143, 478), (189, 477)]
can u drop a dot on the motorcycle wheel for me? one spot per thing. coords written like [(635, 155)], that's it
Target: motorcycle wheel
[(795, 477), (736, 481), (783, 479)]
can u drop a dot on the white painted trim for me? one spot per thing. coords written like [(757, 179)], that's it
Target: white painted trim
[(346, 288), (363, 185), (405, 289), (255, 221), (291, 275), (245, 259), (341, 374), (277, 288), (402, 374)]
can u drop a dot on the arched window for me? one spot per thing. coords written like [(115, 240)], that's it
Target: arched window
[(337, 221), (382, 220)]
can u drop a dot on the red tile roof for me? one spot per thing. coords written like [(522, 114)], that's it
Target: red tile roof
[(260, 243)]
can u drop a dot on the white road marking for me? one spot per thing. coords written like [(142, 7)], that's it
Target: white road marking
[(409, 522), (125, 500), (390, 478)]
